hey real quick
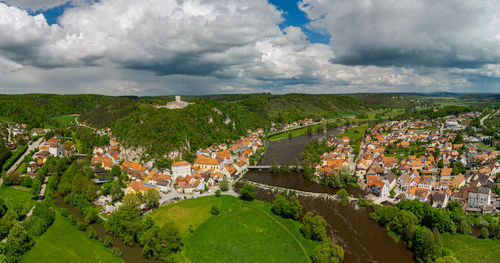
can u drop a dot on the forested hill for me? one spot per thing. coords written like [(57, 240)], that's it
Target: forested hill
[(36, 109), (211, 119)]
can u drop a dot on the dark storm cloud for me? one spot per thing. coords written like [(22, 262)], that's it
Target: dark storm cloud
[(448, 33)]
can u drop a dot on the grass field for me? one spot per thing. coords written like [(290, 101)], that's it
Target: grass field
[(64, 243), (13, 195), (471, 249), (243, 232), (65, 120)]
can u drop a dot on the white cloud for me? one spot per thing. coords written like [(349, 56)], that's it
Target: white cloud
[(36, 5), (148, 47)]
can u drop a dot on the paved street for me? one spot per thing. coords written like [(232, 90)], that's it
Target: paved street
[(31, 147)]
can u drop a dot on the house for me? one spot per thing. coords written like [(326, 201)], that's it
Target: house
[(207, 163), (163, 185), (439, 200), (480, 198), (181, 168), (57, 150), (389, 179), (376, 186), (137, 186)]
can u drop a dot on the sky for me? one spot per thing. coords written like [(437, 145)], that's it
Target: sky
[(193, 47)]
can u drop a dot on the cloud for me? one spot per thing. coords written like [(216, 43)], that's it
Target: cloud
[(151, 47), (448, 33), (40, 5)]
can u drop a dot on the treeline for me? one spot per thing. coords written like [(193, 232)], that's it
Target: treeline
[(419, 225), (440, 112), (37, 109)]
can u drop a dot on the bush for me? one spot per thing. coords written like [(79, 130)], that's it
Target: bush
[(224, 185), (65, 212), (215, 210), (344, 196), (217, 193), (107, 241), (248, 192), (72, 219), (117, 251), (287, 209), (313, 227), (91, 232), (327, 253), (80, 226), (484, 233)]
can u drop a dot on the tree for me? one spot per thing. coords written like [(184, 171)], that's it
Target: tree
[(132, 201), (484, 233), (115, 171), (344, 196), (440, 163), (285, 168), (287, 209), (116, 191), (3, 207), (35, 188), (313, 227), (91, 215), (224, 185), (463, 227), (151, 198), (217, 193), (214, 210), (447, 259), (274, 167), (126, 221), (459, 139), (327, 253), (19, 241), (296, 164), (248, 192)]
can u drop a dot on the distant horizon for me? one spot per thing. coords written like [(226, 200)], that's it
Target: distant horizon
[(436, 93)]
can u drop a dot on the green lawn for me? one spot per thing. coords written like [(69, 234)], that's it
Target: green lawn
[(13, 195), (243, 232), (64, 243), (471, 249), (65, 120)]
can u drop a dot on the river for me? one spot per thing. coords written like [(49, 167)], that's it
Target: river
[(286, 150), (130, 254), (363, 239)]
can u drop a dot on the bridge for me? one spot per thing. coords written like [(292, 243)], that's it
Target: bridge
[(268, 167)]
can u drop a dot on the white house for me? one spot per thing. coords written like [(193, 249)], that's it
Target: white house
[(181, 168)]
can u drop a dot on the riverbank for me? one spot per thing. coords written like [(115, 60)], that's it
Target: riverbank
[(64, 243), (363, 239)]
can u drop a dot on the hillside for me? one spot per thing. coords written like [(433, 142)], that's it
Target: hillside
[(212, 119), (36, 110)]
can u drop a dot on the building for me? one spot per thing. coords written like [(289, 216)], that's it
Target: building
[(480, 199), (181, 168), (207, 163)]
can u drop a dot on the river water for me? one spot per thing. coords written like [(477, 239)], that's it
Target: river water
[(363, 239), (286, 150)]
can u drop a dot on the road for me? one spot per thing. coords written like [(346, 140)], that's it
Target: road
[(79, 124), (31, 147), (484, 118)]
